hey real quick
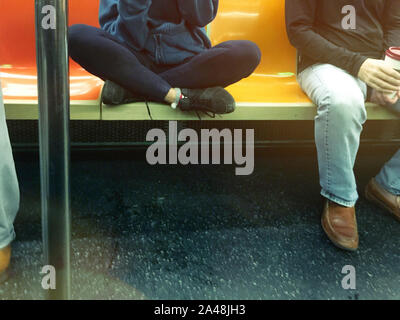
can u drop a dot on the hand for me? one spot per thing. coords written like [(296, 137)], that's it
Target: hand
[(383, 99), (379, 76)]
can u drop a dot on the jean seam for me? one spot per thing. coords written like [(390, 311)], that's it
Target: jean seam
[(328, 166), (327, 148)]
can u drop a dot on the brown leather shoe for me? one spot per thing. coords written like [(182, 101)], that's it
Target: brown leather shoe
[(340, 225), (378, 195), (5, 256)]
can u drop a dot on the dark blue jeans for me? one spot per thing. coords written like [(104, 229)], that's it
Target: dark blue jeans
[(107, 57)]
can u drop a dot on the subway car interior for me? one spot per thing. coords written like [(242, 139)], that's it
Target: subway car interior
[(117, 223)]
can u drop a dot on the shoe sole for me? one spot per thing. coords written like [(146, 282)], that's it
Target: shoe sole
[(337, 244), (205, 110), (372, 198)]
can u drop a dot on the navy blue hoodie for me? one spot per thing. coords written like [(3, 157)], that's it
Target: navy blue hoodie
[(169, 31)]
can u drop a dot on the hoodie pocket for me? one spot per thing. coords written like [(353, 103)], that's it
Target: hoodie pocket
[(172, 44)]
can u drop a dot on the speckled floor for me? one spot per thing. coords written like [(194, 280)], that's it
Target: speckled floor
[(200, 232)]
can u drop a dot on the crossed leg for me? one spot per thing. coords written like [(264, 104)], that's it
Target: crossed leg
[(109, 58)]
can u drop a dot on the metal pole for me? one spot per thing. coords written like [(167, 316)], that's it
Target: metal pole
[(53, 89)]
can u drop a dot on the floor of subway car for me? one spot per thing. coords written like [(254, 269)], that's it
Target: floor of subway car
[(200, 232)]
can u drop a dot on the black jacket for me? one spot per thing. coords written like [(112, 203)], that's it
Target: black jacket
[(315, 28)]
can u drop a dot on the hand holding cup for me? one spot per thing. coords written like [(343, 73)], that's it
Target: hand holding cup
[(381, 75)]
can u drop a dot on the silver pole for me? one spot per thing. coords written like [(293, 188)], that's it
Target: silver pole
[(53, 89)]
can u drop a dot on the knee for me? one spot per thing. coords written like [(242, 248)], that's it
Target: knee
[(77, 36), (75, 32), (347, 109), (247, 54), (251, 53)]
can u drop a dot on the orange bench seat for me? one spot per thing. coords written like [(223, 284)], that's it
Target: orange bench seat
[(18, 73)]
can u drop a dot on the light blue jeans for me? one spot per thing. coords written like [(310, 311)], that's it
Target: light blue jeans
[(9, 190), (340, 99)]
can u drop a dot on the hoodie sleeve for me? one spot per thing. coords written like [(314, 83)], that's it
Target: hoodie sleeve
[(128, 16), (300, 17), (391, 23), (198, 13)]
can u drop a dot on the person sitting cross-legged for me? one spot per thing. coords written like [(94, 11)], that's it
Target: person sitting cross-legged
[(158, 50)]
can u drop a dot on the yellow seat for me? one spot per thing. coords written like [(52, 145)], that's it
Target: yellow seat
[(263, 22)]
